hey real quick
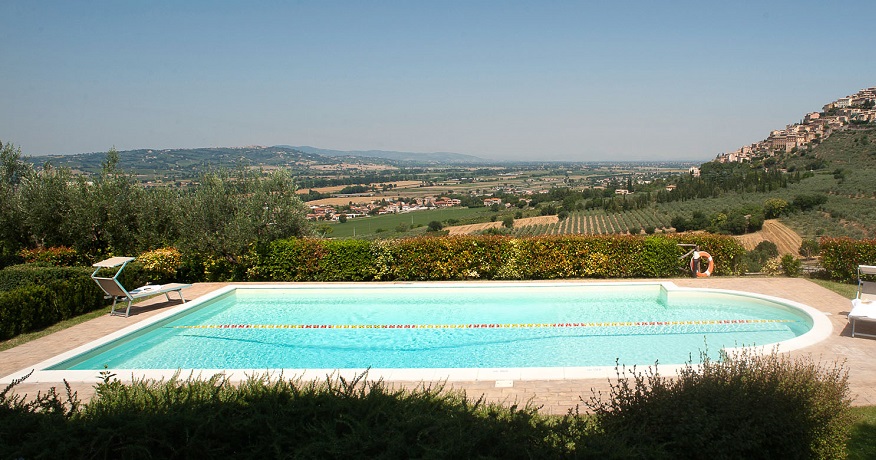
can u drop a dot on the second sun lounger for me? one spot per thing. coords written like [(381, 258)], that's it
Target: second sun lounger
[(864, 303)]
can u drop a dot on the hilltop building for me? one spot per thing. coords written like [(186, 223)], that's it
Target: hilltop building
[(815, 127)]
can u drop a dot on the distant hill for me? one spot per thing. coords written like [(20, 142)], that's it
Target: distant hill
[(150, 161), (406, 157), (187, 162)]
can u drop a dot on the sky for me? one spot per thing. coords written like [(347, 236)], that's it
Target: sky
[(502, 80)]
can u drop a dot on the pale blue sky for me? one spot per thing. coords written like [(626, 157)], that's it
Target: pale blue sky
[(580, 81)]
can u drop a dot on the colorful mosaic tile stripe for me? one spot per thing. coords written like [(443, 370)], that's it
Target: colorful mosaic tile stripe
[(486, 326)]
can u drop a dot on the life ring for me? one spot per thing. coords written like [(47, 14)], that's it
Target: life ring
[(709, 271)]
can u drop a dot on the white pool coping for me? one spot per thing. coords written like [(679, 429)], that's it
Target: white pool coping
[(821, 329)]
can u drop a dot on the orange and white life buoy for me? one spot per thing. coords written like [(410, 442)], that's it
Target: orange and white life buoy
[(709, 271)]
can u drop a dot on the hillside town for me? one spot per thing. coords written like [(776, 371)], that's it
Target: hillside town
[(815, 127), (331, 213)]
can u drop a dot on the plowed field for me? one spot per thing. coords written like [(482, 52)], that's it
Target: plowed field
[(787, 240), (471, 228)]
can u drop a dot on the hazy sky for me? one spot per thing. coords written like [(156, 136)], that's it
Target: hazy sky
[(580, 81)]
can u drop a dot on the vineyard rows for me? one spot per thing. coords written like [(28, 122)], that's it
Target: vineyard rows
[(597, 222)]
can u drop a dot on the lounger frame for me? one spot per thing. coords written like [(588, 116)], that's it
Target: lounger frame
[(866, 293), (114, 289)]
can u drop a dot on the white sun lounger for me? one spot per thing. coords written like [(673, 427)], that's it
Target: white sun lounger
[(114, 289), (864, 303)]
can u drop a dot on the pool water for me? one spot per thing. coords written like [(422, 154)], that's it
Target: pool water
[(449, 326)]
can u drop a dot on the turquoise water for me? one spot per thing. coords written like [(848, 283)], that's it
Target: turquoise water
[(470, 326)]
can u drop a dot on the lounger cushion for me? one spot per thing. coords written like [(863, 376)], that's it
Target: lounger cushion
[(863, 309), (149, 288), (152, 289)]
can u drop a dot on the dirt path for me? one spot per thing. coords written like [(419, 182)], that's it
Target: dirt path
[(787, 240)]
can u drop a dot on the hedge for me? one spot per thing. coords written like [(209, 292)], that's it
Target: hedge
[(308, 259), (488, 257), (34, 297), (840, 257)]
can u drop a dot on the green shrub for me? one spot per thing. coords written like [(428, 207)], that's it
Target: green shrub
[(160, 264), (269, 419), (26, 309), (27, 274), (745, 406), (60, 256), (840, 257), (809, 248), (33, 297), (487, 257), (306, 259), (757, 257), (443, 258), (791, 265)]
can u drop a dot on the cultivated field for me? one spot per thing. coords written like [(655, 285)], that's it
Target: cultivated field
[(597, 222), (787, 240), (518, 223)]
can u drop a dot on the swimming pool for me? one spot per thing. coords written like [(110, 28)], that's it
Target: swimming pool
[(427, 329)]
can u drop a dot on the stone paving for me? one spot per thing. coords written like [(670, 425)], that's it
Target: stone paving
[(554, 396)]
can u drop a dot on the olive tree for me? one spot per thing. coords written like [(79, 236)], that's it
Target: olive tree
[(228, 215), (104, 215), (13, 170), (46, 198)]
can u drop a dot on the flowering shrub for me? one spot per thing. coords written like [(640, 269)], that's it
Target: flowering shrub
[(773, 267), (160, 264), (59, 256), (487, 257), (840, 257)]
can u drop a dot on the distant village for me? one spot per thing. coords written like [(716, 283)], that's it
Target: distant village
[(330, 213), (858, 108)]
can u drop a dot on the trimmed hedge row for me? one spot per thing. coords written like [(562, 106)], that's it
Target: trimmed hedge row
[(488, 257), (840, 257), (33, 297)]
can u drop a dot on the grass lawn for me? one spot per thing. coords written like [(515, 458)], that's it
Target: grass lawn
[(388, 225), (24, 338), (862, 444), (844, 289)]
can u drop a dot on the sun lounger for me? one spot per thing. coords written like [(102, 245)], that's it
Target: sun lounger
[(864, 303), (114, 289)]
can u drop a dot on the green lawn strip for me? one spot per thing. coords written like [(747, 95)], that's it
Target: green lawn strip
[(846, 290), (862, 442), (24, 338)]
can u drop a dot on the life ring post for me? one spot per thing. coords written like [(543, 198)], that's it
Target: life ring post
[(695, 264)]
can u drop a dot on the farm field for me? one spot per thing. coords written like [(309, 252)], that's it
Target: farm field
[(405, 224), (518, 223), (786, 240), (596, 222)]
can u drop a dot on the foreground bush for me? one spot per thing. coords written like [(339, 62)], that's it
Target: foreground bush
[(746, 406), (272, 419)]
